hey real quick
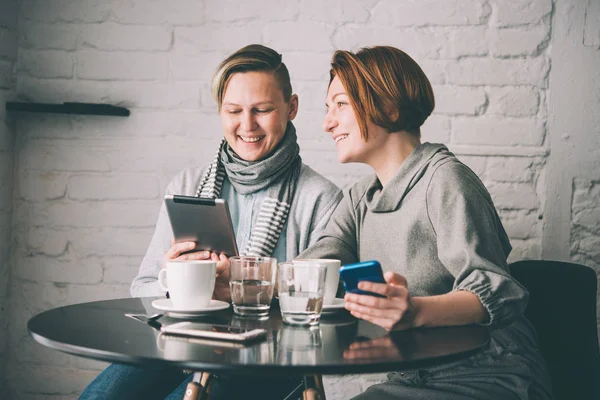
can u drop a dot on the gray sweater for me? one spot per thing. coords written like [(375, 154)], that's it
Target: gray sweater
[(435, 224), (314, 201)]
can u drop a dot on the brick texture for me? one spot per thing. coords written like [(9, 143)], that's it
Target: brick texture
[(585, 212), (80, 194)]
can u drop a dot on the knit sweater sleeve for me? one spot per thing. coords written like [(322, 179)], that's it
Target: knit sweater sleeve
[(472, 243)]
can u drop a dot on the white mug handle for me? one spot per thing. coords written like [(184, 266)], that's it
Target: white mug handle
[(162, 279), (160, 340)]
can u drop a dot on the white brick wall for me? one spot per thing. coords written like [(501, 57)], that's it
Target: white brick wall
[(87, 189), (586, 219)]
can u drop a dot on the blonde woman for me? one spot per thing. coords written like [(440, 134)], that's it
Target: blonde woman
[(258, 170)]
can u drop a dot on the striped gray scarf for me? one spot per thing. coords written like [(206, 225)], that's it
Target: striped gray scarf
[(278, 174)]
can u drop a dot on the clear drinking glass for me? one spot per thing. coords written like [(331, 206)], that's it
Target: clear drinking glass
[(300, 287), (251, 282)]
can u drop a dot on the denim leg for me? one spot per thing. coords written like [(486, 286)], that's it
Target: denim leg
[(120, 381)]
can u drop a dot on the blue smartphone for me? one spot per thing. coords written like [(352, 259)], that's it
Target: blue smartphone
[(351, 274)]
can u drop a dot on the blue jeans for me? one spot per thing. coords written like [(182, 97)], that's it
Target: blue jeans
[(120, 381)]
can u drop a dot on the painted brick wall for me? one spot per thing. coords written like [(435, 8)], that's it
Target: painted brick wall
[(8, 56), (585, 241), (87, 189), (572, 217)]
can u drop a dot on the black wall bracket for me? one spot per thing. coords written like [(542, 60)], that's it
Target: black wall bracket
[(68, 108)]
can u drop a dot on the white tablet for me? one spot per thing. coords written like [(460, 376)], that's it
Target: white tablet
[(202, 220)]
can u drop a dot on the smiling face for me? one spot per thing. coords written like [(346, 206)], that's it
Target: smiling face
[(341, 123), (254, 114)]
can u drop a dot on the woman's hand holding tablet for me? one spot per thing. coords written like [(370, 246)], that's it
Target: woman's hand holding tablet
[(202, 230)]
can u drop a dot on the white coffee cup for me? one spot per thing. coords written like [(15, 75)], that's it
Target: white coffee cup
[(190, 283), (332, 278)]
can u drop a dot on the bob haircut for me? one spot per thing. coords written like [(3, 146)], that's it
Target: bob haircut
[(384, 86), (254, 57)]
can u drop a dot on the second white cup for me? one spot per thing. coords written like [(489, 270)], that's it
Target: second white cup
[(190, 283)]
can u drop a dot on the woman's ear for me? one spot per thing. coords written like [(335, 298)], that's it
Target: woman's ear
[(393, 114), (293, 107)]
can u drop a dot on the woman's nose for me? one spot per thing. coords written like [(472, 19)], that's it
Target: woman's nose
[(329, 123), (248, 121)]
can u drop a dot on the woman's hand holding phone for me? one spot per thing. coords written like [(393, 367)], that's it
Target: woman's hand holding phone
[(394, 311)]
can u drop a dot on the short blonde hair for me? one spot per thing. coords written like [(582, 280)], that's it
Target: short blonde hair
[(385, 86), (254, 57)]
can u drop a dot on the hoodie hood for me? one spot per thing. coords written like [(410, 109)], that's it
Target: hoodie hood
[(423, 157)]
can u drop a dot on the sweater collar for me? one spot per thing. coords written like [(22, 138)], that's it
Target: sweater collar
[(380, 199)]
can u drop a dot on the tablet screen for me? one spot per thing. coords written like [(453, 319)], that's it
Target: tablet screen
[(205, 221)]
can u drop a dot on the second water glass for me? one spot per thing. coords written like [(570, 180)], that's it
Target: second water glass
[(251, 282)]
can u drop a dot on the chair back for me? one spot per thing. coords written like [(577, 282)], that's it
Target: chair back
[(562, 309)]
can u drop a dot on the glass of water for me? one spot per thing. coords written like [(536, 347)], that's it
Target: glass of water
[(251, 281), (300, 287)]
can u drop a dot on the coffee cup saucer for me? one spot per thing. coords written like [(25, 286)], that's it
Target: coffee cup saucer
[(336, 306), (167, 305)]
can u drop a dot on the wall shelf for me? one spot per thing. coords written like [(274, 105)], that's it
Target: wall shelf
[(68, 108)]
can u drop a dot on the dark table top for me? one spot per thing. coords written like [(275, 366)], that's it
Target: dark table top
[(339, 344)]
